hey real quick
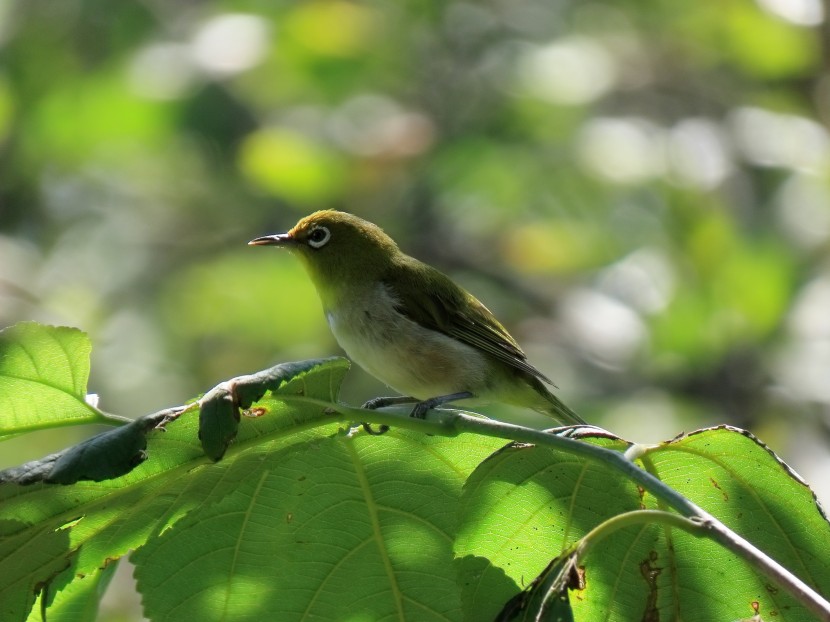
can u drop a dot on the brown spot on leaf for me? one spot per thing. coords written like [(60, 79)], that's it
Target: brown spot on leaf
[(716, 485), (108, 561), (577, 579), (650, 573), (258, 411), (756, 609)]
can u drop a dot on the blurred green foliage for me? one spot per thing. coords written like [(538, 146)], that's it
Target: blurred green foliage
[(640, 191)]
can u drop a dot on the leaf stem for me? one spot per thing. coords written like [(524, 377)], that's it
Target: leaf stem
[(637, 517), (98, 417)]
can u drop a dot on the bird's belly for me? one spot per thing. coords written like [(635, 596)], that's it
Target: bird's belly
[(411, 359)]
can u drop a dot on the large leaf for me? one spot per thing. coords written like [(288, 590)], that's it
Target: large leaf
[(520, 509), (525, 504), (358, 524), (43, 378), (46, 528)]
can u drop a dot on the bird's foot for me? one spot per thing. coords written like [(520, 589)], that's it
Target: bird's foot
[(367, 427), (419, 412), (382, 402), (421, 408)]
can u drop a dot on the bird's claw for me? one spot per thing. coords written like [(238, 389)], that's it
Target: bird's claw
[(367, 427), (375, 403), (421, 408), (381, 402)]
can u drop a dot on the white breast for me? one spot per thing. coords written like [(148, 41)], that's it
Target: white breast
[(411, 359)]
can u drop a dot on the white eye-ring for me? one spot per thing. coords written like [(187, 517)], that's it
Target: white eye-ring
[(318, 237)]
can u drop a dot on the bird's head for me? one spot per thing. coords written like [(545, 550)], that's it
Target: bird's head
[(337, 248)]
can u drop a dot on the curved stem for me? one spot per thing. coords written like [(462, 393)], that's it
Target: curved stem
[(637, 517), (451, 423), (98, 417)]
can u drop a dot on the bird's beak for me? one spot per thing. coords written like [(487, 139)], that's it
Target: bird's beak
[(278, 239)]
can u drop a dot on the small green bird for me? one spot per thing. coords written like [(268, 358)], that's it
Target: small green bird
[(410, 325)]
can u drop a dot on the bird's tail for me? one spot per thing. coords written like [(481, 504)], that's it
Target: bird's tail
[(557, 409)]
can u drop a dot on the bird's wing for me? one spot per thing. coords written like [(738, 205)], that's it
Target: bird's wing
[(429, 298)]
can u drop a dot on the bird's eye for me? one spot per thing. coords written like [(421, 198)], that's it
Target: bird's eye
[(318, 237)]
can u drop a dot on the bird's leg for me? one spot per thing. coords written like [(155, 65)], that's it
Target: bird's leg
[(421, 408), (419, 412), (381, 402)]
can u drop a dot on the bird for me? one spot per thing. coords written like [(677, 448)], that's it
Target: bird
[(410, 325)]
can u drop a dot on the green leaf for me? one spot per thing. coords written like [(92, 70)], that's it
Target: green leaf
[(526, 504), (546, 599), (520, 509), (764, 46), (79, 601), (107, 455), (7, 105), (30, 557), (218, 421), (43, 378), (263, 322), (219, 408), (753, 282), (358, 524), (103, 112), (292, 166), (58, 526), (735, 477)]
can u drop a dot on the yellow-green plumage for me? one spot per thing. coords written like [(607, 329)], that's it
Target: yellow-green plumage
[(408, 324)]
